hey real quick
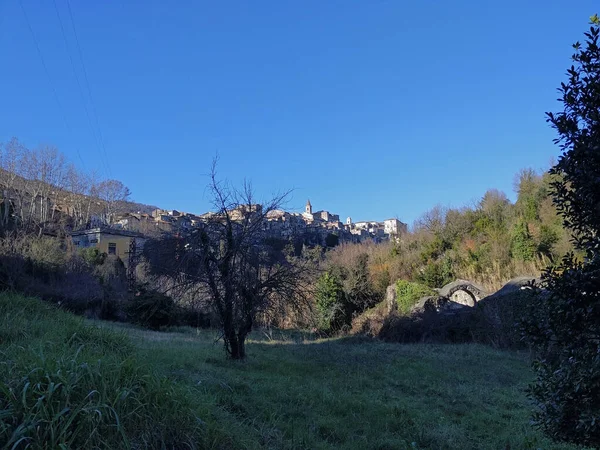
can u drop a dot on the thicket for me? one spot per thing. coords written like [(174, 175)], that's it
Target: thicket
[(488, 243), (342, 292)]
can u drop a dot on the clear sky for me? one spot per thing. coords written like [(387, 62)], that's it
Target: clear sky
[(372, 108)]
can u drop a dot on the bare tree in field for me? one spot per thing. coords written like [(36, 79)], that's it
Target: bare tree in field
[(240, 272)]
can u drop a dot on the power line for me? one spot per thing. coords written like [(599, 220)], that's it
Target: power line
[(39, 51), (87, 83), (79, 85)]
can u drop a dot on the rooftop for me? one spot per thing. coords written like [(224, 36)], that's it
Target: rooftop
[(104, 230)]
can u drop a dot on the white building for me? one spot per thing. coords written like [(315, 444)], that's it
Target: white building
[(394, 226)]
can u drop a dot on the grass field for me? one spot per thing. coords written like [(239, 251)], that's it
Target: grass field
[(122, 386)]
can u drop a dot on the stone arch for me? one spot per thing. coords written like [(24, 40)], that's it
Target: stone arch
[(463, 292)]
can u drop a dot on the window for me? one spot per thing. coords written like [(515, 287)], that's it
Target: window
[(93, 241), (112, 248)]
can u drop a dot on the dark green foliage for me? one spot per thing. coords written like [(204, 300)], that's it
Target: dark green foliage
[(332, 240), (408, 293), (345, 291), (531, 193), (92, 256), (548, 238), (331, 303), (437, 273), (565, 331), (523, 246), (435, 249), (152, 309)]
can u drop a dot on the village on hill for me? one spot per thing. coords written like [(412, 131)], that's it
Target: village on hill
[(278, 223)]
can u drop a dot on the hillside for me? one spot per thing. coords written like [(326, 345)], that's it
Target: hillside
[(76, 378)]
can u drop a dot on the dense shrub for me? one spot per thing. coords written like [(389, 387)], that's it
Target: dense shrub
[(566, 332), (523, 246), (152, 309), (344, 291), (331, 304), (408, 293), (437, 273), (93, 256)]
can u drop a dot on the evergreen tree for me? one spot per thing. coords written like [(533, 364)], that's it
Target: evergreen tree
[(565, 327)]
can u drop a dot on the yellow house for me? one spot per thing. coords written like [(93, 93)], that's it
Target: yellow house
[(110, 241)]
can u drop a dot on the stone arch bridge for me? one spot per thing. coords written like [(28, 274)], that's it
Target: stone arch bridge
[(463, 292)]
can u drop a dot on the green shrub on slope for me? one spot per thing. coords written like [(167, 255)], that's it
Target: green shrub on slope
[(408, 293)]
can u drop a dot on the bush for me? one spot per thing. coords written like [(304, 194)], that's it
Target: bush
[(92, 256), (563, 330), (152, 309), (437, 273), (523, 247), (331, 303), (408, 293), (332, 240), (566, 332)]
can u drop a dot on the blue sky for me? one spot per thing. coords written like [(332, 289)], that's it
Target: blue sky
[(371, 108)]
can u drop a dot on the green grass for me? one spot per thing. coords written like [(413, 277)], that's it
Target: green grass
[(65, 384), (291, 393)]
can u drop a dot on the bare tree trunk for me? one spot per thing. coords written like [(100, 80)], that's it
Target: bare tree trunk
[(235, 344)]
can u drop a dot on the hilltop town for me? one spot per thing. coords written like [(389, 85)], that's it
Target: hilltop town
[(279, 223)]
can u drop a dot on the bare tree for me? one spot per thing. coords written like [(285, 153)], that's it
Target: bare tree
[(15, 161), (113, 194), (51, 181), (78, 195), (432, 220), (10, 158), (231, 261)]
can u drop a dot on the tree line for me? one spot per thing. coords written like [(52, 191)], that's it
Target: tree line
[(41, 189)]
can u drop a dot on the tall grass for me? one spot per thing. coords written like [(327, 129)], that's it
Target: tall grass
[(65, 384)]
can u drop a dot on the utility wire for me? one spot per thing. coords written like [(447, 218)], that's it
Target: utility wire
[(39, 51), (62, 29), (87, 83)]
